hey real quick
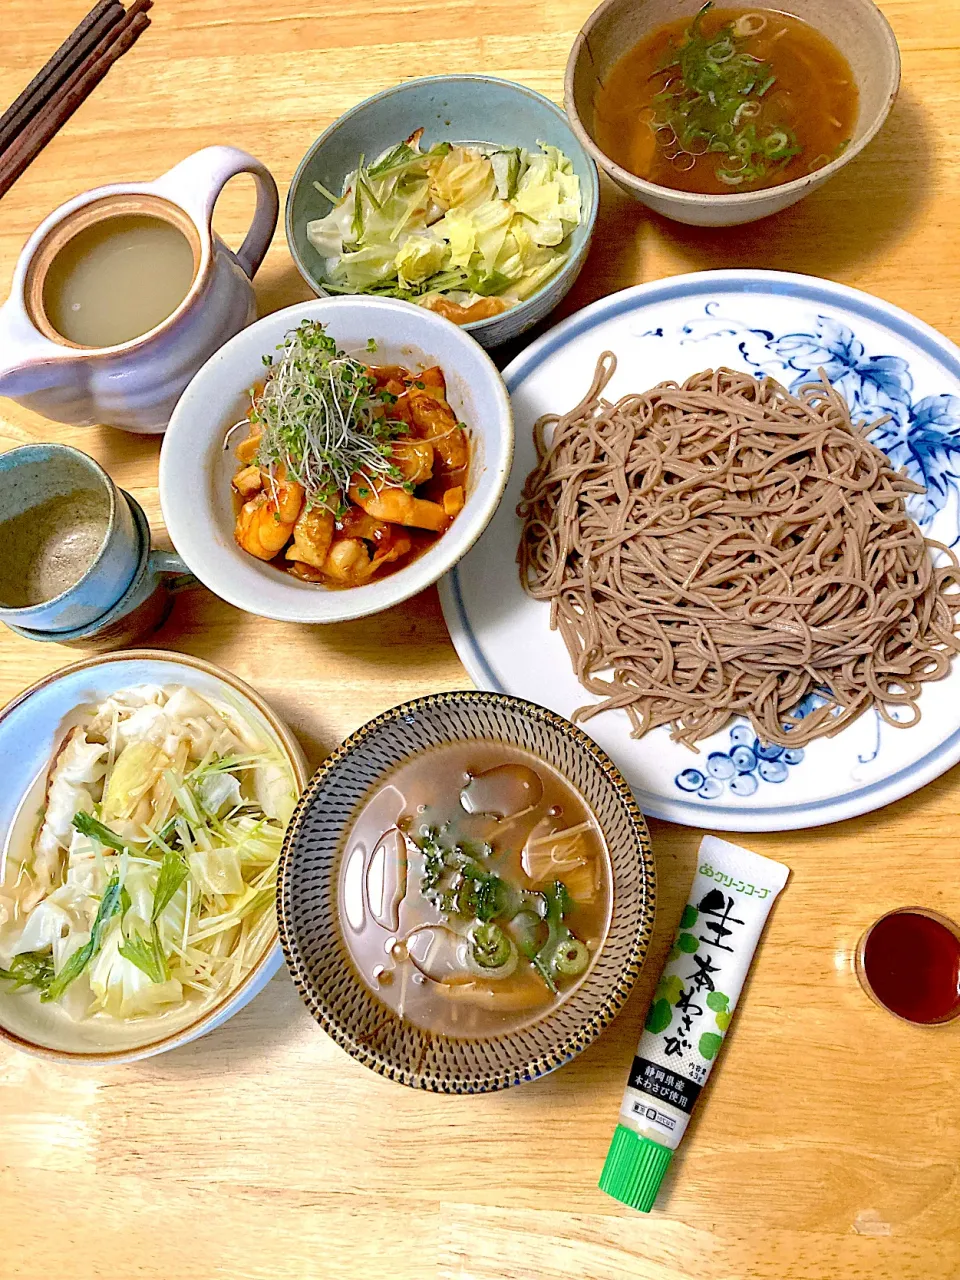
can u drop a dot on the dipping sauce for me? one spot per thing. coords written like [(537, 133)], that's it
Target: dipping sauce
[(46, 549), (474, 890), (736, 99), (118, 279), (911, 961)]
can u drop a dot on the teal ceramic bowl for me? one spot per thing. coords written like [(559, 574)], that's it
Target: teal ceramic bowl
[(451, 109)]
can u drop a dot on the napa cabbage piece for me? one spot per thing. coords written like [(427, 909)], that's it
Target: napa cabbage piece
[(78, 767), (150, 882), (461, 223)]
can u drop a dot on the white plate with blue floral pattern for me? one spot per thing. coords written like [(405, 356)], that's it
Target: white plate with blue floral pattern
[(884, 362)]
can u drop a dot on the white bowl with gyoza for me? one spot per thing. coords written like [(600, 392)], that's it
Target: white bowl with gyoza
[(146, 797)]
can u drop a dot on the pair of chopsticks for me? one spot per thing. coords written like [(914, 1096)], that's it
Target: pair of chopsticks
[(67, 80)]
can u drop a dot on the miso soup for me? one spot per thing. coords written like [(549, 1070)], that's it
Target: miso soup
[(474, 889), (730, 100)]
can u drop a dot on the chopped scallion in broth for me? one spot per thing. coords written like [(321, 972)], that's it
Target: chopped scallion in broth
[(730, 100), (474, 889)]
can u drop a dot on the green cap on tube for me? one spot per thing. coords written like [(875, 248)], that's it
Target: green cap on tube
[(634, 1169)]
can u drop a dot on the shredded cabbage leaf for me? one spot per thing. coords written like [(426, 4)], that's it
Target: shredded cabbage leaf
[(151, 878), (457, 222)]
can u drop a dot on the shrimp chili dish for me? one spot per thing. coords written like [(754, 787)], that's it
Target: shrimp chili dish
[(350, 470)]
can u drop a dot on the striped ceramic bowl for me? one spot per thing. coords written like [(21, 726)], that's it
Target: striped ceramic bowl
[(310, 930)]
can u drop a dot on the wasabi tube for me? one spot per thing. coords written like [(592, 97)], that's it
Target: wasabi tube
[(691, 1010)]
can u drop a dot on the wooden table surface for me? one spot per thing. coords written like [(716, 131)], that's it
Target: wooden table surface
[(827, 1145)]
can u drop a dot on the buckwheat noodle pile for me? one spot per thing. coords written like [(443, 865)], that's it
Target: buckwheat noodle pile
[(725, 548)]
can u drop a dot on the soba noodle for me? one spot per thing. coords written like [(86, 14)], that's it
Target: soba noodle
[(726, 548)]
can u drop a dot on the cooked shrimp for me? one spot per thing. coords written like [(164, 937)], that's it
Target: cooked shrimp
[(396, 506), (348, 561), (482, 309), (384, 555), (312, 535), (248, 481), (265, 523), (437, 422), (355, 523), (414, 459), (399, 411)]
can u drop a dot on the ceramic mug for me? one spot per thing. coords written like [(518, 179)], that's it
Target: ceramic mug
[(64, 524), (135, 384), (142, 608)]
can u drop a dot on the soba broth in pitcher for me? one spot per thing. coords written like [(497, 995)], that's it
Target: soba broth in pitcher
[(117, 279)]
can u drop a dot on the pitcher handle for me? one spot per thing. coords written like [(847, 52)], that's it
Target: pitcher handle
[(195, 184)]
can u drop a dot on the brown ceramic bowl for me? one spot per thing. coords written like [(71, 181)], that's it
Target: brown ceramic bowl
[(856, 27), (310, 933)]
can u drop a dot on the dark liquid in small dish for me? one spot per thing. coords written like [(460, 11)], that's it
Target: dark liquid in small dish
[(912, 963), (474, 889)]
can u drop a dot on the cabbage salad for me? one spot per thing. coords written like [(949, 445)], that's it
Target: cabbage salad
[(468, 230), (151, 877)]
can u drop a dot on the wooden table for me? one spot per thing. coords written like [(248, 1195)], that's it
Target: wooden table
[(827, 1145)]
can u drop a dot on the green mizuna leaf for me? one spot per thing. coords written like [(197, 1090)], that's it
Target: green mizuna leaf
[(109, 906)]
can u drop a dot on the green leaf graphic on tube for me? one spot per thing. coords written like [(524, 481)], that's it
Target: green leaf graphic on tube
[(689, 917), (723, 1020), (718, 1002), (710, 1042), (670, 989), (660, 1016), (688, 943)]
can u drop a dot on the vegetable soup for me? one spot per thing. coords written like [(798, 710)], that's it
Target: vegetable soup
[(736, 99), (474, 890), (139, 881)]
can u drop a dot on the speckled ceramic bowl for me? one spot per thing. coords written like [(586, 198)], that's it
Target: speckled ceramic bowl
[(452, 109), (310, 933), (856, 27)]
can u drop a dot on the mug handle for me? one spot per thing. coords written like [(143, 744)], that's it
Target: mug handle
[(168, 562), (195, 184)]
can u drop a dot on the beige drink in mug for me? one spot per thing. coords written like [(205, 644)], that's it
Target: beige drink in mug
[(125, 291)]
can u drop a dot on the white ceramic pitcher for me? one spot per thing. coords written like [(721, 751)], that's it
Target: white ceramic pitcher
[(136, 384)]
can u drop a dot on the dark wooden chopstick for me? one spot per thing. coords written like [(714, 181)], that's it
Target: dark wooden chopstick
[(71, 93), (59, 68)]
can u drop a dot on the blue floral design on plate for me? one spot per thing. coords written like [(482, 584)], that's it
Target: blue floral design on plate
[(922, 436), (741, 768), (748, 761)]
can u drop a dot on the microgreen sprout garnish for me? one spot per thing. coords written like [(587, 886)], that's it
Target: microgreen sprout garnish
[(323, 420), (710, 102)]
